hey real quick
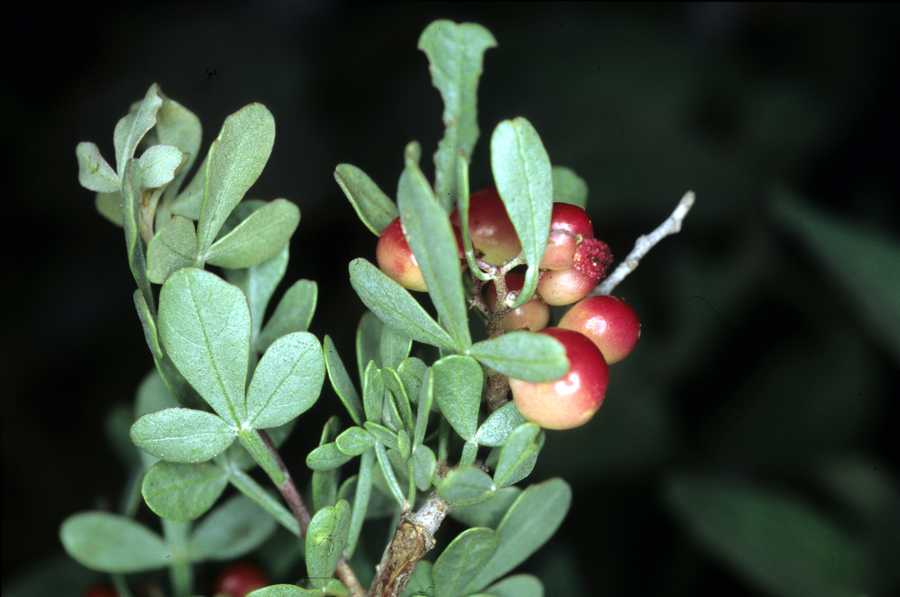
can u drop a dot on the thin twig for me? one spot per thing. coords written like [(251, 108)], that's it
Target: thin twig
[(295, 502), (642, 246), (413, 538)]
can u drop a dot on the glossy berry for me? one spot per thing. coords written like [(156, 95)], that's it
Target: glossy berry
[(569, 226), (533, 315), (490, 228), (571, 400), (396, 259), (101, 591), (239, 579), (608, 322), (564, 287)]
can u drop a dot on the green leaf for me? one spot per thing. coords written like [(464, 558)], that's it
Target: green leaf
[(361, 497), (458, 382), (294, 313), (325, 541), (265, 500), (388, 473), (158, 165), (368, 342), (374, 208), (325, 483), (519, 454), (152, 396), (235, 528), (179, 127), (235, 160), (382, 434), (568, 187), (326, 457), (287, 381), (183, 492), (528, 524), (520, 585), (373, 393), (172, 248), (341, 382), (465, 486), (412, 372), (353, 441), (94, 173), (258, 238), (393, 347), (258, 284), (778, 543), (283, 591), (420, 581), (455, 55), (461, 560), (397, 394), (182, 435), (112, 543), (864, 262), (424, 465), (109, 205), (131, 221), (204, 324), (489, 512), (430, 236), (423, 408), (240, 458), (523, 355), (497, 427), (395, 306), (523, 175), (130, 130)]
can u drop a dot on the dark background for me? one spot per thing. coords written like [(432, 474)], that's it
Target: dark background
[(753, 364)]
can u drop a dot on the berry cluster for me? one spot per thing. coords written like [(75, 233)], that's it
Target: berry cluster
[(596, 332)]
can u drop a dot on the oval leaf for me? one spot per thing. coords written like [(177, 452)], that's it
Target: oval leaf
[(523, 355), (158, 165), (518, 455), (374, 208), (172, 248), (326, 457), (259, 237), (497, 427), (490, 512), (294, 313), (94, 173), (458, 382), (520, 585), (183, 492), (112, 543), (182, 435), (354, 441), (461, 560), (326, 538), (235, 528), (568, 187), (341, 382), (465, 486)]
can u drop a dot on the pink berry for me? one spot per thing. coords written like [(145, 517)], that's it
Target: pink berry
[(239, 579), (610, 323), (564, 287), (490, 228), (533, 315), (396, 259), (569, 226), (571, 400)]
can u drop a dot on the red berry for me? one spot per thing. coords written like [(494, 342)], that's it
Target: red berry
[(533, 315), (396, 259), (608, 322), (589, 265), (490, 228), (101, 591), (571, 400), (239, 579)]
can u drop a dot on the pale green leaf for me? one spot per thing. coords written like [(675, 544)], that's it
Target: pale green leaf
[(287, 381), (374, 208), (283, 591), (497, 427), (131, 128), (395, 306), (519, 454), (455, 55), (109, 205), (373, 393), (527, 525), (778, 543), (112, 543), (152, 396), (461, 560), (325, 483), (457, 382), (326, 538), (236, 159), (423, 407), (265, 500), (361, 497), (326, 457), (420, 581), (390, 478), (158, 165), (341, 382), (94, 173), (393, 347), (382, 434), (182, 435), (465, 486), (520, 585), (424, 465), (523, 176), (353, 441), (172, 248), (258, 284), (523, 355), (489, 512), (179, 127), (258, 238), (368, 342), (235, 528), (294, 313), (568, 187), (131, 222), (204, 324), (412, 372), (183, 492)]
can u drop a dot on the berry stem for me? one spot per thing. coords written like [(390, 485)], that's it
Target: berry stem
[(642, 246)]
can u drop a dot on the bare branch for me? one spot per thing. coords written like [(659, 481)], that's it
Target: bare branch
[(642, 246)]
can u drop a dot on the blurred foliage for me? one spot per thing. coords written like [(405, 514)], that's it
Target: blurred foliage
[(756, 418)]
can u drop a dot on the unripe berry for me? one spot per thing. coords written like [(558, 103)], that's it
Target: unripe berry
[(533, 315), (571, 400), (564, 287), (396, 259), (610, 323), (239, 579), (490, 228), (569, 226), (101, 591)]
